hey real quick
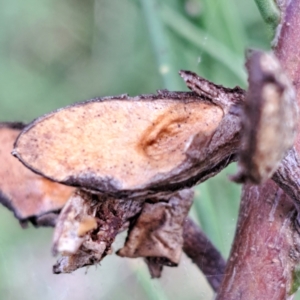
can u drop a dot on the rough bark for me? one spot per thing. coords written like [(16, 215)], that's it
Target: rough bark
[(287, 177), (266, 246), (265, 253)]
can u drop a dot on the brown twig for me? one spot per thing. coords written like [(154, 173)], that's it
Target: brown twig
[(203, 253), (224, 97)]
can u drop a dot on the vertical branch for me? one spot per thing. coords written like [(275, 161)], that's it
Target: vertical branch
[(265, 252)]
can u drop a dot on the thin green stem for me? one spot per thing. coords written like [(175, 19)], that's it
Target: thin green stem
[(270, 12), (160, 44), (211, 46)]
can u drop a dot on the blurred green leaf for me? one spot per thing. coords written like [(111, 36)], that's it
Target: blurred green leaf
[(160, 43), (205, 42)]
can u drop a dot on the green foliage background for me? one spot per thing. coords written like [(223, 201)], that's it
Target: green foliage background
[(56, 52)]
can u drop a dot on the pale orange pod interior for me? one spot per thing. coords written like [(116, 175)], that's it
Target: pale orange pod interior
[(117, 143)]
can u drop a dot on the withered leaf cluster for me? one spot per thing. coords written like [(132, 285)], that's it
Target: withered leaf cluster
[(127, 163)]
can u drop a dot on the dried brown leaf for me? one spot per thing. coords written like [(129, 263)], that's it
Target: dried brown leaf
[(87, 227), (154, 267), (157, 232)]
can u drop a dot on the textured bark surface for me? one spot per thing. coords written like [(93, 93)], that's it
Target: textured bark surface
[(287, 177), (266, 246), (265, 253), (174, 139), (31, 197)]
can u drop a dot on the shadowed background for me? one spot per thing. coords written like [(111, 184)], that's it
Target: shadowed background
[(57, 52)]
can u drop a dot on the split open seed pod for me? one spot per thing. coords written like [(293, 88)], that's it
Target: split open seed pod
[(28, 195), (135, 147)]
